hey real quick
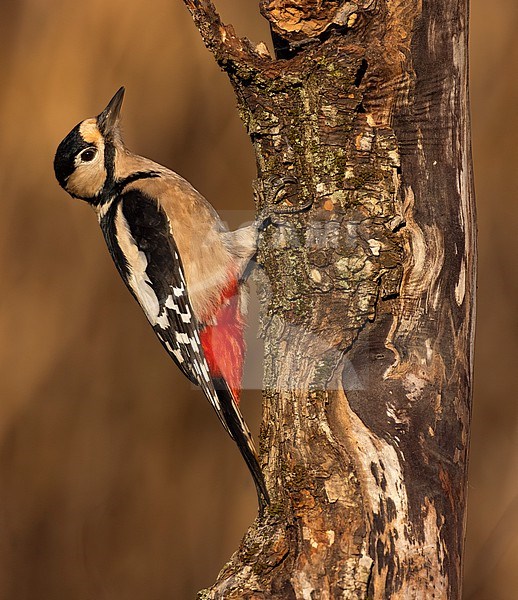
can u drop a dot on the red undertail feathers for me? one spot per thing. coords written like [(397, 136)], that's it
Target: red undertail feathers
[(223, 341)]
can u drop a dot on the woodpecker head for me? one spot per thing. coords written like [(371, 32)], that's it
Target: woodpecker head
[(84, 161)]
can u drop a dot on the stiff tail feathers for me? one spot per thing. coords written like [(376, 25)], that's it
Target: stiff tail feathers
[(240, 433)]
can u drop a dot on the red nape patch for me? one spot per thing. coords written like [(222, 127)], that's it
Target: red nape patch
[(223, 343)]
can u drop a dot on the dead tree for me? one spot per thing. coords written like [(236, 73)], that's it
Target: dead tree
[(367, 295)]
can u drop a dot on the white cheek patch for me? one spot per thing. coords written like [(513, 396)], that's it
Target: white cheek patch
[(88, 179), (138, 279)]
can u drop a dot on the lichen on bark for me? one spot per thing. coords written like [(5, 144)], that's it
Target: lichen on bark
[(361, 385)]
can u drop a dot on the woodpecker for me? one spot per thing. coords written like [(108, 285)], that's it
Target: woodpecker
[(175, 256)]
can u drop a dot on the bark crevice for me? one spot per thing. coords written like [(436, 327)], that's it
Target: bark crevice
[(366, 294)]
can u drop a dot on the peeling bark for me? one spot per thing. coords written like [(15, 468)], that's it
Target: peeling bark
[(368, 285)]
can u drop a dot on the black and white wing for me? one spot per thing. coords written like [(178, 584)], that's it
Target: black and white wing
[(141, 244), (139, 238)]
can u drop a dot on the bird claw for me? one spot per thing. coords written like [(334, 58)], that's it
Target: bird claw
[(273, 190)]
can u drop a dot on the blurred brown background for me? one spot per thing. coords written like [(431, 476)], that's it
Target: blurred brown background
[(116, 481)]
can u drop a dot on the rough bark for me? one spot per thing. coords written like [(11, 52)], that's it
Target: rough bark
[(368, 285)]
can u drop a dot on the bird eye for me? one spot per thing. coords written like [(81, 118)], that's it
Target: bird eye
[(88, 154)]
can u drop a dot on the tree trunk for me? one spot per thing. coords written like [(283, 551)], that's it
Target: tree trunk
[(367, 295)]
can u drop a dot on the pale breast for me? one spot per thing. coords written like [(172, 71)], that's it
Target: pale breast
[(197, 230)]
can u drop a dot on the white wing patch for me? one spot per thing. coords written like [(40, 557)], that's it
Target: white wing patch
[(172, 319), (138, 279)]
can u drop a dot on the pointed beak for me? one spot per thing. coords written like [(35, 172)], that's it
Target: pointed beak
[(108, 120)]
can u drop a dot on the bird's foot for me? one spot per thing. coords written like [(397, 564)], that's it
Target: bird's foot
[(276, 195)]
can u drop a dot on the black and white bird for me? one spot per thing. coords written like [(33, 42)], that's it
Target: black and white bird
[(175, 256)]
